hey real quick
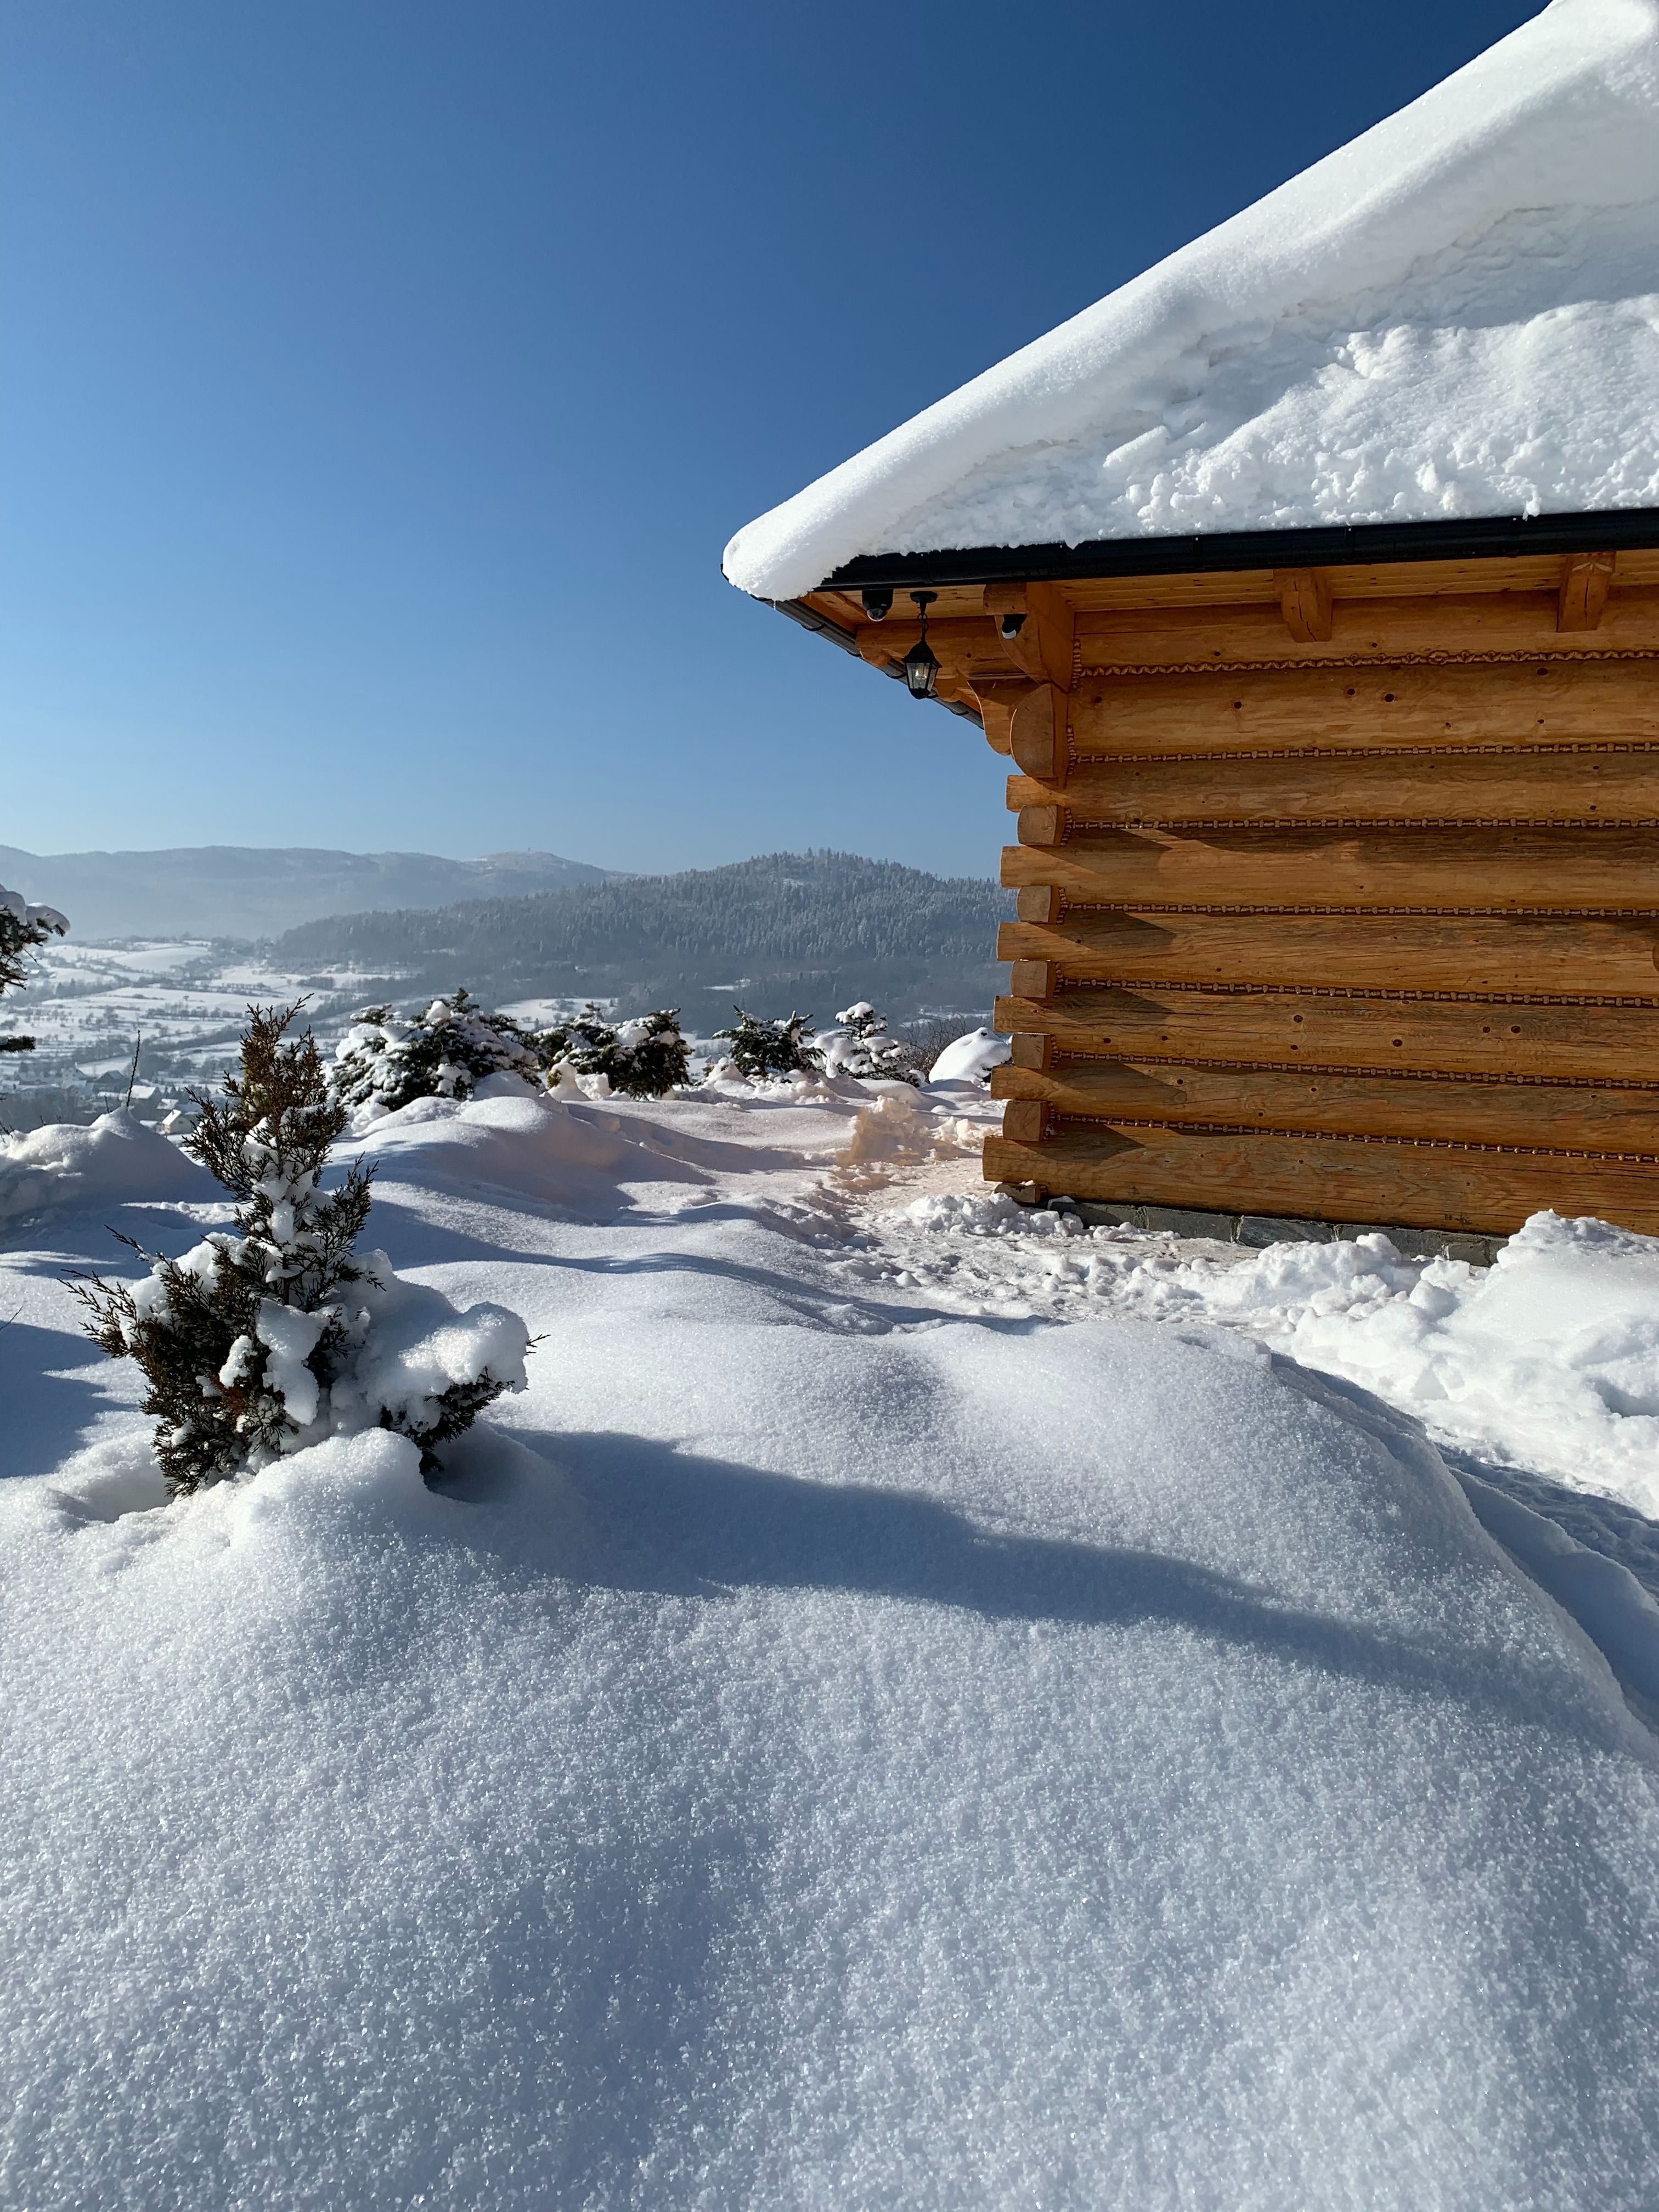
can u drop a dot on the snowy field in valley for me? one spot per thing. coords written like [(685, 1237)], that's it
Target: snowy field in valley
[(87, 1006), (918, 1703), (181, 1003)]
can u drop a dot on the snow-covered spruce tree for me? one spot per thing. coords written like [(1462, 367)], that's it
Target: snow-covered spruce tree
[(22, 928), (643, 1058), (764, 1046), (860, 1046), (382, 1062), (279, 1332)]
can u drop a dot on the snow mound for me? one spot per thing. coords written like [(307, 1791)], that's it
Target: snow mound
[(1551, 1356), (542, 1149), (989, 1213), (1455, 314), (116, 1161), (970, 1059), (1083, 1767)]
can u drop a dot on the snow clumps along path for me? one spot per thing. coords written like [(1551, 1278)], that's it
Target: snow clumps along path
[(830, 1741)]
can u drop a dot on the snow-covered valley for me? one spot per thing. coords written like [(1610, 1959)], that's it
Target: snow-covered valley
[(917, 1703), (178, 1004)]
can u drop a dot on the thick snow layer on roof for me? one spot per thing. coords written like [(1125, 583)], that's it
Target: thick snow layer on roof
[(1457, 314), (838, 1740)]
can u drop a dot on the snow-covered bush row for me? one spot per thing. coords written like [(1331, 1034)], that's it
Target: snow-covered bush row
[(646, 1057), (258, 1342), (383, 1062)]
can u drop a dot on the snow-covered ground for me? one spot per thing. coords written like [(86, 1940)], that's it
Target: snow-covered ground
[(918, 1704)]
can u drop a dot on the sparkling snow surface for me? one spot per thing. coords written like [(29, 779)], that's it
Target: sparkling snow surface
[(895, 1715), (1456, 314)]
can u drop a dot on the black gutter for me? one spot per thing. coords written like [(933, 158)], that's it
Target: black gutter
[(1480, 539)]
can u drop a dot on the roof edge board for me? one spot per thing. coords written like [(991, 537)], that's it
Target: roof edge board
[(1332, 546)]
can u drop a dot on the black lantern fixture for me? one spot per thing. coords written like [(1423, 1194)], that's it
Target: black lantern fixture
[(922, 663)]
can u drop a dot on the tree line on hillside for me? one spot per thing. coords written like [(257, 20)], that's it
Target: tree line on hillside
[(797, 927)]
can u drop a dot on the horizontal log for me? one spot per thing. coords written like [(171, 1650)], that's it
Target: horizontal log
[(1572, 1117), (1542, 956), (1472, 786), (1611, 1044), (1537, 702), (1326, 1178), (1556, 870), (1517, 622)]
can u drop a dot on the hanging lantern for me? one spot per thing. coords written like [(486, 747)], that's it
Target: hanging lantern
[(921, 662)]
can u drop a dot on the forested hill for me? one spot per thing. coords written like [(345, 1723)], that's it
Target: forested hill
[(810, 929)]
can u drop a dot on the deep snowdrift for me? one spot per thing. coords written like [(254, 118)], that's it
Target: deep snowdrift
[(1456, 314), (115, 1161), (835, 1748)]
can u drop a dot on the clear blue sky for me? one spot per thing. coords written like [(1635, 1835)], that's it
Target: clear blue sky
[(381, 380)]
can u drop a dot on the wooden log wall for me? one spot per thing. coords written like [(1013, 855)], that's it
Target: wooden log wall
[(1342, 908)]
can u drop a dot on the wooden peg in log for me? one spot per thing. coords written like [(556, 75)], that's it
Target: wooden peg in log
[(1586, 580), (1305, 597)]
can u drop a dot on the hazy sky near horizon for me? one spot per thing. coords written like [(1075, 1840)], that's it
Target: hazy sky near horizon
[(382, 380)]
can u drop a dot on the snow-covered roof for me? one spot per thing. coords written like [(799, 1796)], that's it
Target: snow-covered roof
[(1455, 315)]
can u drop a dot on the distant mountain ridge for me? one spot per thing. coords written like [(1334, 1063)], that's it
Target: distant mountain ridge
[(249, 891), (813, 929)]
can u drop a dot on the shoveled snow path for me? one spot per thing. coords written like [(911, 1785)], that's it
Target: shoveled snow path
[(836, 1749)]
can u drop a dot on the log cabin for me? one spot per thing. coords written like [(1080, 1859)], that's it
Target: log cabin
[(1310, 585)]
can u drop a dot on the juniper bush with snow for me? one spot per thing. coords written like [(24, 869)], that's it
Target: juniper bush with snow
[(276, 1334), (383, 1062), (646, 1057), (764, 1046)]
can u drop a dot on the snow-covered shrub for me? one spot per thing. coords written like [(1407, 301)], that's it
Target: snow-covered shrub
[(859, 1045), (382, 1062), (275, 1336), (970, 1058), (764, 1046), (643, 1058), (22, 927)]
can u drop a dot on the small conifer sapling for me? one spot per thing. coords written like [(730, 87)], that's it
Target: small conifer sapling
[(275, 1335), (860, 1046), (764, 1046), (646, 1057)]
